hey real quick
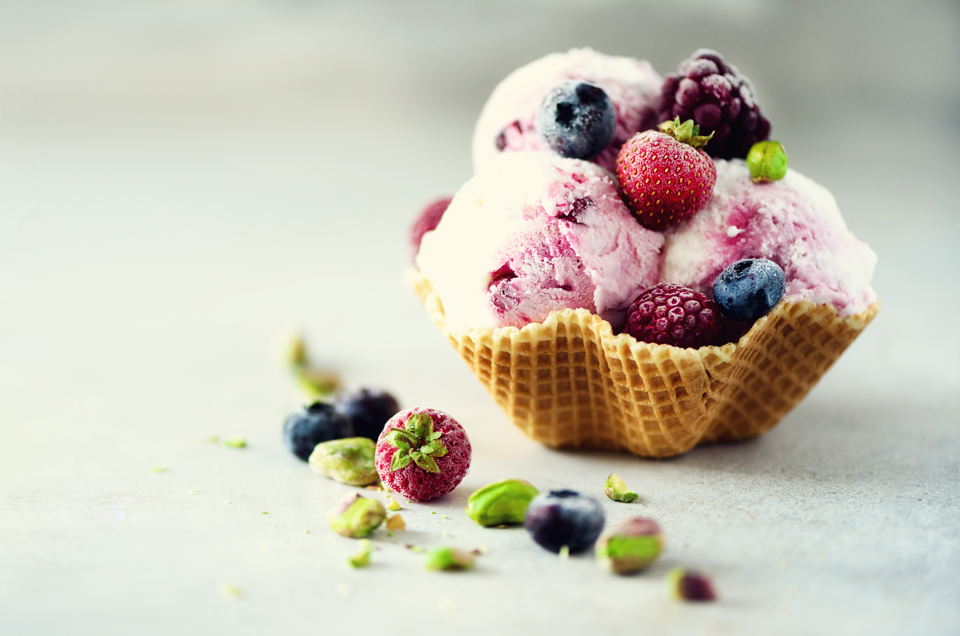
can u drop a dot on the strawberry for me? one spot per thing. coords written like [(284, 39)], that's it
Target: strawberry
[(422, 453), (665, 175)]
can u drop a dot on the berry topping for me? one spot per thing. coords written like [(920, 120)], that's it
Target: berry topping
[(564, 518), (577, 119), (767, 161), (748, 289), (422, 453), (427, 221), (665, 176), (368, 410), (319, 422), (718, 99), (674, 315)]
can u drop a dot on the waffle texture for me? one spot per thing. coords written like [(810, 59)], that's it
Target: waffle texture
[(569, 382)]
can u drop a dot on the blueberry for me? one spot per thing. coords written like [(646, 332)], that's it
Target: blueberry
[(369, 410), (748, 289), (577, 119), (564, 518), (319, 422)]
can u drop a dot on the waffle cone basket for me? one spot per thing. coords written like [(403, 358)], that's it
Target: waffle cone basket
[(569, 382)]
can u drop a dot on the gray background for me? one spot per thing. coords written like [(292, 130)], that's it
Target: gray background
[(181, 183)]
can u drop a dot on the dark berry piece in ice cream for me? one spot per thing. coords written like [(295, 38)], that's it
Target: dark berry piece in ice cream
[(426, 221), (368, 410), (749, 288), (577, 119), (674, 315), (319, 422), (564, 518), (422, 453), (719, 99)]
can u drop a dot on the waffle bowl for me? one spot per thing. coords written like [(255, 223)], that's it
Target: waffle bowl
[(569, 382)]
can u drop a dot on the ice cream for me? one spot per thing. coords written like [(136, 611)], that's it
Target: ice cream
[(532, 233), (507, 122), (794, 222)]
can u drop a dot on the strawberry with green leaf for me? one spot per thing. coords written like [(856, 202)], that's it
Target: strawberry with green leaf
[(422, 453)]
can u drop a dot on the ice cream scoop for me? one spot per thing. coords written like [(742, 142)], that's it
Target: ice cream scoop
[(535, 233), (793, 222), (508, 121)]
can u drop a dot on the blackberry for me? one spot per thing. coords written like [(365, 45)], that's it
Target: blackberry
[(674, 315), (719, 100), (319, 422), (369, 411)]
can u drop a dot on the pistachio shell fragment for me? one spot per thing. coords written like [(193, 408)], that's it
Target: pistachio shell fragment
[(362, 558), (445, 558), (630, 546), (616, 490), (349, 461), (686, 585), (502, 502), (355, 516)]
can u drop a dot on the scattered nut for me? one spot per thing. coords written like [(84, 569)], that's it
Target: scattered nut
[(362, 558), (686, 585), (444, 558), (630, 546), (355, 516), (349, 461), (396, 522), (502, 502), (616, 490), (393, 505)]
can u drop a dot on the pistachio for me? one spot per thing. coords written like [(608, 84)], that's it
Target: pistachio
[(686, 585), (616, 490), (355, 516), (396, 522), (362, 558), (444, 558), (349, 461), (630, 546), (501, 502), (767, 161), (393, 506)]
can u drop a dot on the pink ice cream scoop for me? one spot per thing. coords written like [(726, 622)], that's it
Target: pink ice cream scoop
[(534, 233), (793, 222), (508, 120)]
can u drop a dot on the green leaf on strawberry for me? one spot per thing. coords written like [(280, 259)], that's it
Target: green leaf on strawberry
[(417, 442)]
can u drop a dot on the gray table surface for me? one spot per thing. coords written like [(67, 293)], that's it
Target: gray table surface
[(183, 183)]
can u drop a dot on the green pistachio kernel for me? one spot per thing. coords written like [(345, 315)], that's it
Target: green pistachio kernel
[(349, 461), (767, 161), (444, 558), (630, 546), (355, 516), (501, 502), (616, 490), (362, 558)]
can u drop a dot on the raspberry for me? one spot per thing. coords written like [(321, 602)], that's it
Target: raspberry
[(674, 315), (665, 176), (422, 453), (719, 100), (426, 221)]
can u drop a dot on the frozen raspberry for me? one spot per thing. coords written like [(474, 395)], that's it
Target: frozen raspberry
[(426, 221), (665, 175), (422, 453), (674, 315), (719, 100)]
